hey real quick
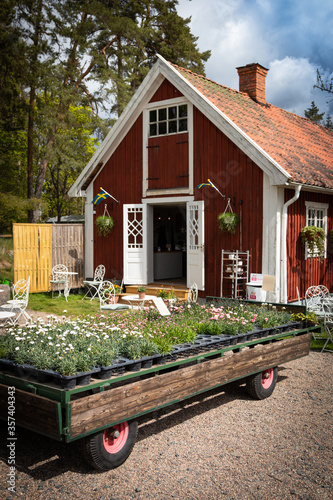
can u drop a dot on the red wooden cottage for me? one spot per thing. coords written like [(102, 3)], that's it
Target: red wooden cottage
[(181, 129)]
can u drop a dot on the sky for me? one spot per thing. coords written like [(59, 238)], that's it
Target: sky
[(291, 38)]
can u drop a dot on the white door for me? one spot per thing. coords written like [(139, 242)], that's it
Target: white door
[(195, 244), (138, 246)]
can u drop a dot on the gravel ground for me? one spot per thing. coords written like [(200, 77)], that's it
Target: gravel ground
[(221, 445)]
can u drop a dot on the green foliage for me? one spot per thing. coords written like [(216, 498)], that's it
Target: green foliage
[(104, 224), (62, 64), (6, 259), (75, 345), (268, 317), (314, 237), (12, 209), (309, 316), (313, 113), (107, 354), (228, 222)]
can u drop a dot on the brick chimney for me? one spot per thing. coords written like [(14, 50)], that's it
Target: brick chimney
[(252, 81)]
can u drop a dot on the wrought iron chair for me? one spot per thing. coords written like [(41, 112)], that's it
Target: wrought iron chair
[(314, 301), (19, 302), (107, 298), (328, 326), (318, 301), (94, 284), (193, 293), (60, 279)]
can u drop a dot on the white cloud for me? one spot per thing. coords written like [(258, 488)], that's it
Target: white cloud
[(292, 39), (289, 83)]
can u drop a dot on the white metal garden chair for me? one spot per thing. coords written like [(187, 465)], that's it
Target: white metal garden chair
[(193, 293), (107, 301), (60, 279), (93, 285), (19, 302), (319, 301), (314, 301), (328, 325)]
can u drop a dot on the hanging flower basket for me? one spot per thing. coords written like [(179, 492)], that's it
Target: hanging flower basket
[(104, 224), (228, 222), (314, 238)]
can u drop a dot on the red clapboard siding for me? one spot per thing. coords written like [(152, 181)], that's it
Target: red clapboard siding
[(238, 178), (168, 161), (166, 91), (304, 273), (122, 178)]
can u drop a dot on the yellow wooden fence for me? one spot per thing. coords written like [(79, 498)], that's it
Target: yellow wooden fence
[(39, 247)]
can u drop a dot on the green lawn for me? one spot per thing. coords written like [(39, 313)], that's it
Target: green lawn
[(43, 302)]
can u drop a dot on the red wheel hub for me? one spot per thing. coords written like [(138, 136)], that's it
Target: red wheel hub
[(114, 438), (267, 378)]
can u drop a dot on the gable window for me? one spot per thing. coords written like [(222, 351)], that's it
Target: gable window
[(168, 120), (316, 215)]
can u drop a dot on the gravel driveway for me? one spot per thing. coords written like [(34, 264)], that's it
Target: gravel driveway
[(221, 445)]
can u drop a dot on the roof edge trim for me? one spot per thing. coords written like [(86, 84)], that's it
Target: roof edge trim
[(230, 122)]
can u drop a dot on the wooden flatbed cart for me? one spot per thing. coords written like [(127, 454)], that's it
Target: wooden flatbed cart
[(103, 414)]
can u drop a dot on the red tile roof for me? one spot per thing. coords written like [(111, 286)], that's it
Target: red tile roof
[(299, 146)]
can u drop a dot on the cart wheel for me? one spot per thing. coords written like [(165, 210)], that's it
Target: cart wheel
[(261, 385), (110, 448)]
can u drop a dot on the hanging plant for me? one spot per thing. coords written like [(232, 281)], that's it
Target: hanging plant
[(104, 224), (228, 221), (314, 238)]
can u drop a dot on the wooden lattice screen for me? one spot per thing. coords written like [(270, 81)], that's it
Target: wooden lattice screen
[(39, 247)]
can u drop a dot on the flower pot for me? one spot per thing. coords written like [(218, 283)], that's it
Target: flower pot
[(112, 300), (142, 295)]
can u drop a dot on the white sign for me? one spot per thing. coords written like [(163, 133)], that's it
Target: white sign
[(162, 308)]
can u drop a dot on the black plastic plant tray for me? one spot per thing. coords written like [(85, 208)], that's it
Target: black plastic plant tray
[(71, 381), (120, 365), (7, 364), (217, 340)]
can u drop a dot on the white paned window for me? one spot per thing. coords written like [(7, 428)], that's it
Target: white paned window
[(316, 215), (168, 120)]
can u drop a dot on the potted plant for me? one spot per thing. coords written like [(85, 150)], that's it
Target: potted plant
[(314, 238), (162, 293), (142, 292), (228, 221), (104, 224), (113, 299)]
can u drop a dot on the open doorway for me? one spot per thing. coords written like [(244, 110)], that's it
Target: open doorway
[(170, 243)]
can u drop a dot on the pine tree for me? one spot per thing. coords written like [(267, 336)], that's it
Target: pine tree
[(328, 122), (90, 55), (313, 113)]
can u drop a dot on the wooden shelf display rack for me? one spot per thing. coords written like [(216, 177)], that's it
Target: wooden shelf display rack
[(234, 273)]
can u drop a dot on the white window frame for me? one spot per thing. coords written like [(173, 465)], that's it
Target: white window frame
[(167, 119), (317, 222)]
